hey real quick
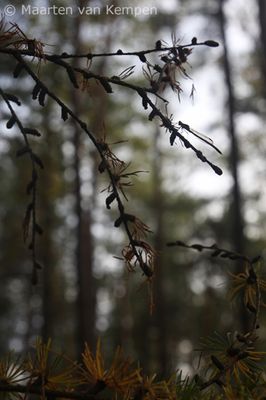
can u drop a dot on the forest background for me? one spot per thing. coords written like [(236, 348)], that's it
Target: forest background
[(84, 292)]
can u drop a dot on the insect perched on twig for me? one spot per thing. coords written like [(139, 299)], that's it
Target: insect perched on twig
[(199, 135)]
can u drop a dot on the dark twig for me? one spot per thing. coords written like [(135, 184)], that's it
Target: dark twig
[(216, 251), (175, 132), (89, 56), (30, 216), (54, 394), (123, 215), (240, 347)]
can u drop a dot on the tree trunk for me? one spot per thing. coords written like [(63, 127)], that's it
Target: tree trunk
[(84, 246), (159, 242), (262, 21), (237, 232)]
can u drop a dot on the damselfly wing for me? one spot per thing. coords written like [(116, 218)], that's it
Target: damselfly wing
[(199, 135)]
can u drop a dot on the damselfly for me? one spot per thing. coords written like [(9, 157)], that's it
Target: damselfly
[(200, 136)]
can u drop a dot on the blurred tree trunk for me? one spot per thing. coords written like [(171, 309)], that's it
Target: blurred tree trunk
[(49, 305), (262, 22), (237, 238), (84, 246), (50, 189), (159, 244)]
